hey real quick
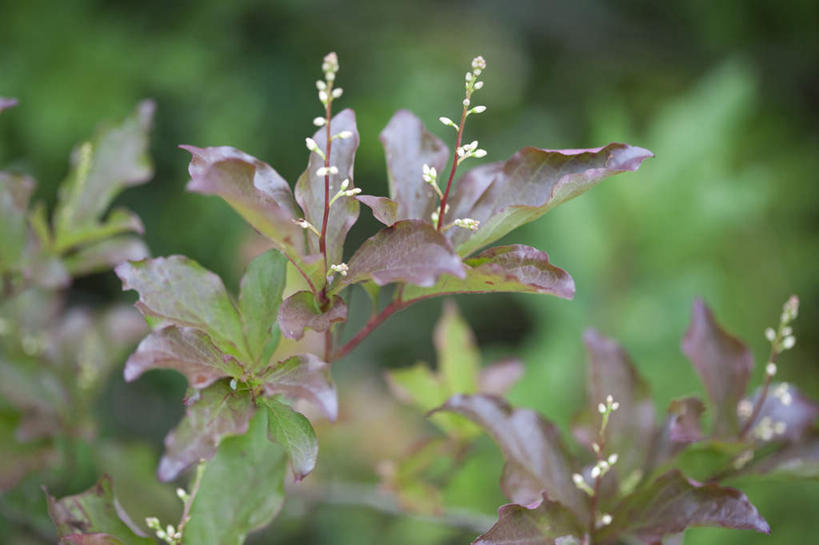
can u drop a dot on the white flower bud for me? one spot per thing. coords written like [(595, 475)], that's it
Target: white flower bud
[(311, 144), (478, 63), (789, 342), (323, 96), (605, 520), (320, 85), (479, 153), (613, 459), (601, 408), (466, 102), (319, 121), (479, 109), (595, 472), (345, 135), (337, 92), (478, 85), (770, 369), (770, 334), (577, 478)]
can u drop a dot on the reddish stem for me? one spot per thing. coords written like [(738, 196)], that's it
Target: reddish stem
[(451, 171), (763, 395), (374, 322), (323, 237)]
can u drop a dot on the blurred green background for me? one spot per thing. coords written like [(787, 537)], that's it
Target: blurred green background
[(724, 93)]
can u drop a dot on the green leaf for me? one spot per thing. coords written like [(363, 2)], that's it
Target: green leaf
[(118, 221), (410, 251), (303, 377), (547, 523), (408, 146), (117, 157), (178, 290), (310, 187), (673, 503), (242, 488), (260, 294), (211, 415), (459, 361), (301, 311), (103, 255), (724, 364), (95, 511), (15, 192), (293, 431), (516, 268), (533, 181)]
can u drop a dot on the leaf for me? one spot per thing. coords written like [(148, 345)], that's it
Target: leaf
[(681, 427), (293, 431), (537, 460), (303, 377), (260, 294), (95, 511), (187, 350), (15, 193), (254, 190), (407, 147), (384, 210), (6, 103), (548, 523), (499, 377), (724, 364), (459, 361), (103, 255), (784, 410), (118, 221), (611, 372), (212, 414), (301, 311), (116, 158), (673, 503), (310, 187), (410, 251), (529, 184), (90, 539), (516, 268), (242, 488), (17, 458), (796, 460), (178, 290)]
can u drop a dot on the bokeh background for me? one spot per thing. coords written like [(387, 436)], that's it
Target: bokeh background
[(725, 94)]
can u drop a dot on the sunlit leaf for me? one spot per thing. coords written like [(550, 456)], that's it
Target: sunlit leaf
[(537, 460), (310, 187), (724, 364), (673, 503), (384, 210), (301, 311), (303, 377), (212, 414), (529, 184), (292, 431), (242, 488), (459, 361), (410, 251), (515, 268), (408, 146), (548, 523), (95, 511), (260, 294)]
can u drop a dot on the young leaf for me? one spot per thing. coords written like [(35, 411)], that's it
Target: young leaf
[(785, 414), (242, 488), (260, 294), (499, 377), (673, 503), (611, 372), (293, 431), (178, 290), (303, 377), (408, 147), (187, 350), (301, 311), (384, 210), (410, 251), (724, 364), (516, 268), (254, 190), (212, 414), (537, 460), (459, 361), (103, 255), (310, 187), (15, 192), (529, 184), (116, 158), (95, 511), (548, 523)]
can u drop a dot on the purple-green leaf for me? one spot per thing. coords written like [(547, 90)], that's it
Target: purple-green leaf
[(537, 460), (211, 415), (532, 182), (260, 294), (177, 290), (796, 460), (303, 377), (785, 414), (95, 511), (548, 523), (499, 377), (410, 251), (724, 364), (384, 210), (184, 349), (293, 431), (15, 193), (672, 503), (301, 311), (6, 103), (611, 372), (515, 268), (310, 187), (408, 146), (682, 426)]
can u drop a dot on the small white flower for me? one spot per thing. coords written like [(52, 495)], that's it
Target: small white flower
[(577, 478), (745, 408), (310, 143), (479, 109), (467, 223), (595, 472), (319, 121), (478, 85), (770, 334), (789, 342), (323, 96), (447, 121), (613, 459), (320, 85), (466, 102), (478, 63), (324, 171), (479, 153), (341, 268), (605, 520), (770, 369), (345, 134), (601, 408), (337, 92)]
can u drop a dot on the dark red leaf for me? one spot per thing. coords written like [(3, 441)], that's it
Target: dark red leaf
[(548, 523), (301, 311)]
